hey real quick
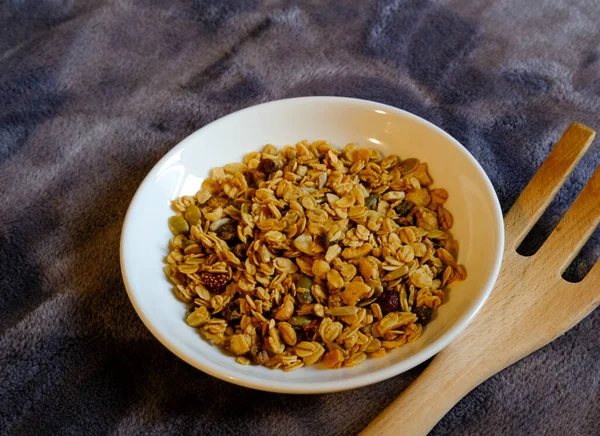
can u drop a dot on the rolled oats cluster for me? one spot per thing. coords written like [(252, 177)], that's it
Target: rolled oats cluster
[(313, 254)]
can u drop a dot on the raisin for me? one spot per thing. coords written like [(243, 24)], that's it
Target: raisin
[(403, 208), (311, 329), (253, 178), (240, 251), (424, 314), (389, 301), (231, 312), (266, 166), (322, 240), (227, 231)]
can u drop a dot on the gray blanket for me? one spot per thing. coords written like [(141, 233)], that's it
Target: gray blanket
[(93, 93)]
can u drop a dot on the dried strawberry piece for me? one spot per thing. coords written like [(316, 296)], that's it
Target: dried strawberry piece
[(215, 282)]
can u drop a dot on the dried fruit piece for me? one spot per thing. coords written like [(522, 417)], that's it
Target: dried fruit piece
[(423, 314), (215, 282), (389, 301), (403, 208), (227, 232), (253, 178), (266, 166)]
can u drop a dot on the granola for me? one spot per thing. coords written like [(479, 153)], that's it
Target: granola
[(312, 254)]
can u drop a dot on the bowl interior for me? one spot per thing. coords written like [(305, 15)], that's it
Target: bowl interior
[(477, 226)]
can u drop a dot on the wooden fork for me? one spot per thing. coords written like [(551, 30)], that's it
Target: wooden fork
[(530, 305)]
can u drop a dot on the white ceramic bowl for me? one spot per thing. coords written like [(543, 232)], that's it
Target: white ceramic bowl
[(478, 227)]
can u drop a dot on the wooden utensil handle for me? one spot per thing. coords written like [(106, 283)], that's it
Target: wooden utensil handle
[(530, 306), (428, 398)]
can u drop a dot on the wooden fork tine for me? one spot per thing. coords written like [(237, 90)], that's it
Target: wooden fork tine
[(592, 278), (544, 185), (575, 228)]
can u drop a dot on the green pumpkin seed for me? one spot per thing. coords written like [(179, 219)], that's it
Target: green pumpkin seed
[(192, 215), (408, 165), (366, 302), (178, 225), (304, 296), (300, 320), (304, 282), (371, 201)]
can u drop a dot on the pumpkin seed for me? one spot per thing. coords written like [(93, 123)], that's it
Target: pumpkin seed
[(300, 320), (178, 225), (408, 165), (192, 215), (371, 201), (304, 282)]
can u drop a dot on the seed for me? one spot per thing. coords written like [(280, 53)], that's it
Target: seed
[(178, 225), (304, 296), (300, 320), (343, 311), (408, 165), (192, 215), (371, 202), (304, 282)]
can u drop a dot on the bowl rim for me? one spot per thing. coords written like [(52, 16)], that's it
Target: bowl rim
[(297, 387)]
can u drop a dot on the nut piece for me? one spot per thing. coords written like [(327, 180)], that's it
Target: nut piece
[(445, 218), (287, 333), (353, 253), (343, 311), (367, 269), (354, 292), (419, 197), (334, 279), (320, 268), (286, 311)]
